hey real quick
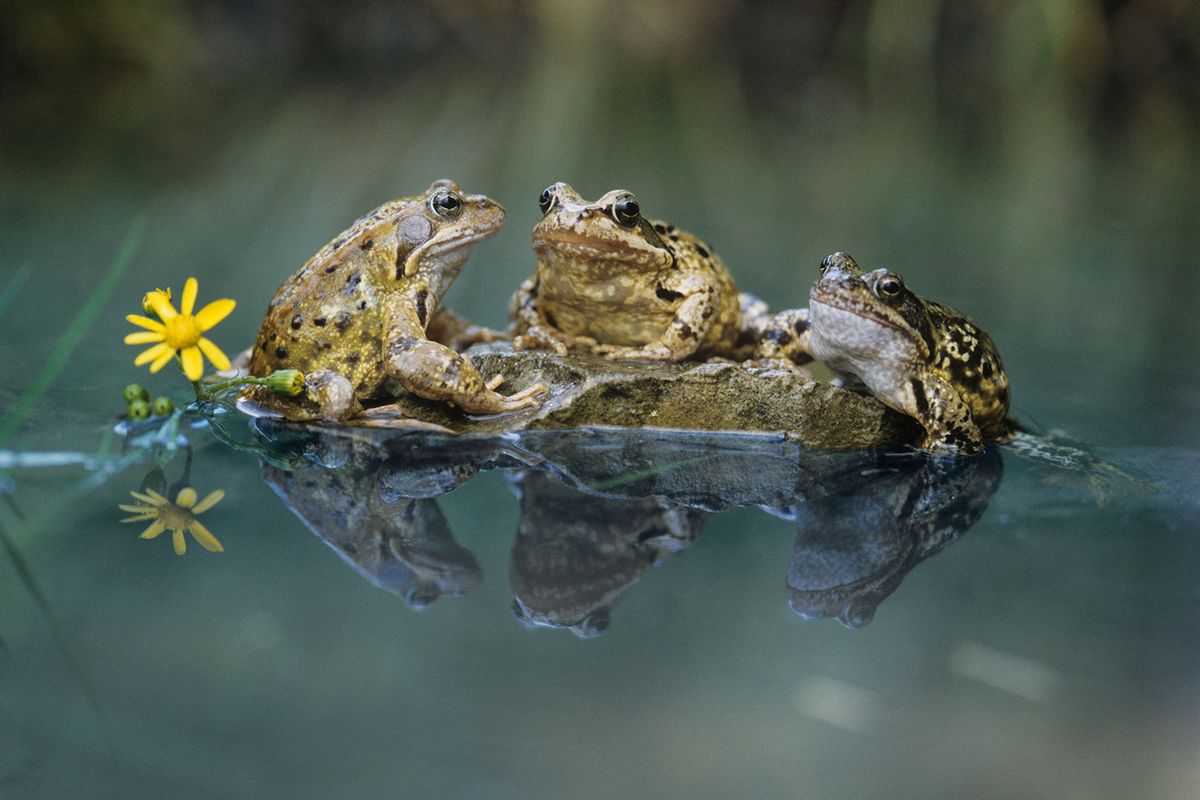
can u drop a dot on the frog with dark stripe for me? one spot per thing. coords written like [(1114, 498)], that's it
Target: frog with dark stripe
[(917, 356)]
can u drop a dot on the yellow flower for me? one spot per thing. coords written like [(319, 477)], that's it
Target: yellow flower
[(180, 332), (179, 516)]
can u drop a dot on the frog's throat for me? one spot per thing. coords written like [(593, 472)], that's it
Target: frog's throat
[(442, 244), (841, 307)]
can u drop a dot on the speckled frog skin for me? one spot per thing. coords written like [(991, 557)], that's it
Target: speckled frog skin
[(628, 287), (916, 356), (364, 310)]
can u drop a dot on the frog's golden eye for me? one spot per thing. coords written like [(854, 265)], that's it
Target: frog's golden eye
[(626, 211), (889, 286), (445, 203), (546, 200)]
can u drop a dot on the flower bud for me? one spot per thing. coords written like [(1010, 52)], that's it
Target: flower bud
[(162, 406), (135, 391), (286, 381), (139, 409)]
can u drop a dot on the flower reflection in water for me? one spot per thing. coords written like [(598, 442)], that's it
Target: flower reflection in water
[(178, 517)]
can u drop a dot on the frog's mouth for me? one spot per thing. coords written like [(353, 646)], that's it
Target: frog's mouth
[(568, 243), (444, 244)]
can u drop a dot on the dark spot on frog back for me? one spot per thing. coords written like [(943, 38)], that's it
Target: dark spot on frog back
[(663, 293)]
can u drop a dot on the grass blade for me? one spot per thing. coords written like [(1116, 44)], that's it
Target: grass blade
[(75, 331)]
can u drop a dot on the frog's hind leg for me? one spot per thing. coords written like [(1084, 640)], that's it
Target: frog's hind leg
[(784, 340), (949, 425)]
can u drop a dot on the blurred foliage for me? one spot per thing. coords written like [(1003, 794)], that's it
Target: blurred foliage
[(1137, 59)]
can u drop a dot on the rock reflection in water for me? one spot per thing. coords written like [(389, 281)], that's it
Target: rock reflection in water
[(575, 554), (881, 517)]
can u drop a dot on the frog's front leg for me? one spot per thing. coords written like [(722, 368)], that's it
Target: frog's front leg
[(949, 425), (434, 371), (530, 331), (694, 316), (784, 342)]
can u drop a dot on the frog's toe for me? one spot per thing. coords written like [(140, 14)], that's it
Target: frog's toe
[(534, 341), (528, 395)]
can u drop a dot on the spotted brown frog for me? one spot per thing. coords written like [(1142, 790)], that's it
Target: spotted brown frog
[(916, 356), (628, 287), (365, 310)]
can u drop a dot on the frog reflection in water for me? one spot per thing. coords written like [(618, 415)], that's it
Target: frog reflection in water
[(373, 501), (884, 514), (917, 356), (365, 311), (576, 554), (628, 287)]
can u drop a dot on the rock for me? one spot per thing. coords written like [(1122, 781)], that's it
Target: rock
[(589, 391)]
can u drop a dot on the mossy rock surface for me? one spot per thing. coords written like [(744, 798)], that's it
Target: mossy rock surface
[(588, 391)]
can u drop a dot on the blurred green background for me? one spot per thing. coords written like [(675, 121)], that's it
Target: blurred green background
[(1035, 164)]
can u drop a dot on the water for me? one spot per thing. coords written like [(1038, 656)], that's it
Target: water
[(699, 618)]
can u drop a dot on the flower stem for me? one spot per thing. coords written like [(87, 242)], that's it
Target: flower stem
[(212, 391)]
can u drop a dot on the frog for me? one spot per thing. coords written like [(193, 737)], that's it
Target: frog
[(364, 311), (627, 287), (919, 357)]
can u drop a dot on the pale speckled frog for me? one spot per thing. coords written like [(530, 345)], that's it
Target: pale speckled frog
[(628, 287), (364, 311), (916, 356)]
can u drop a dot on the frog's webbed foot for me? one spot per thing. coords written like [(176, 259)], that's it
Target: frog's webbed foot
[(648, 353), (540, 337), (492, 402)]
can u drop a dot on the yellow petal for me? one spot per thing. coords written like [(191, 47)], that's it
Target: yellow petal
[(214, 312), (193, 364), (140, 517), (162, 306), (151, 354), (162, 359), (208, 502), (150, 496), (206, 539), (146, 322), (156, 527), (188, 301), (144, 337), (186, 497), (177, 540), (135, 509), (219, 359)]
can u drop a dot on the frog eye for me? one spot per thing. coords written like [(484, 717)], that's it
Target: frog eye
[(546, 199), (626, 210), (445, 203), (889, 286)]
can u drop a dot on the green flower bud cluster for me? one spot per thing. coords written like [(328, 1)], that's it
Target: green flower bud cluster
[(140, 406)]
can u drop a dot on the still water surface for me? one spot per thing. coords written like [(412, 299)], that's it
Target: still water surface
[(614, 615)]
